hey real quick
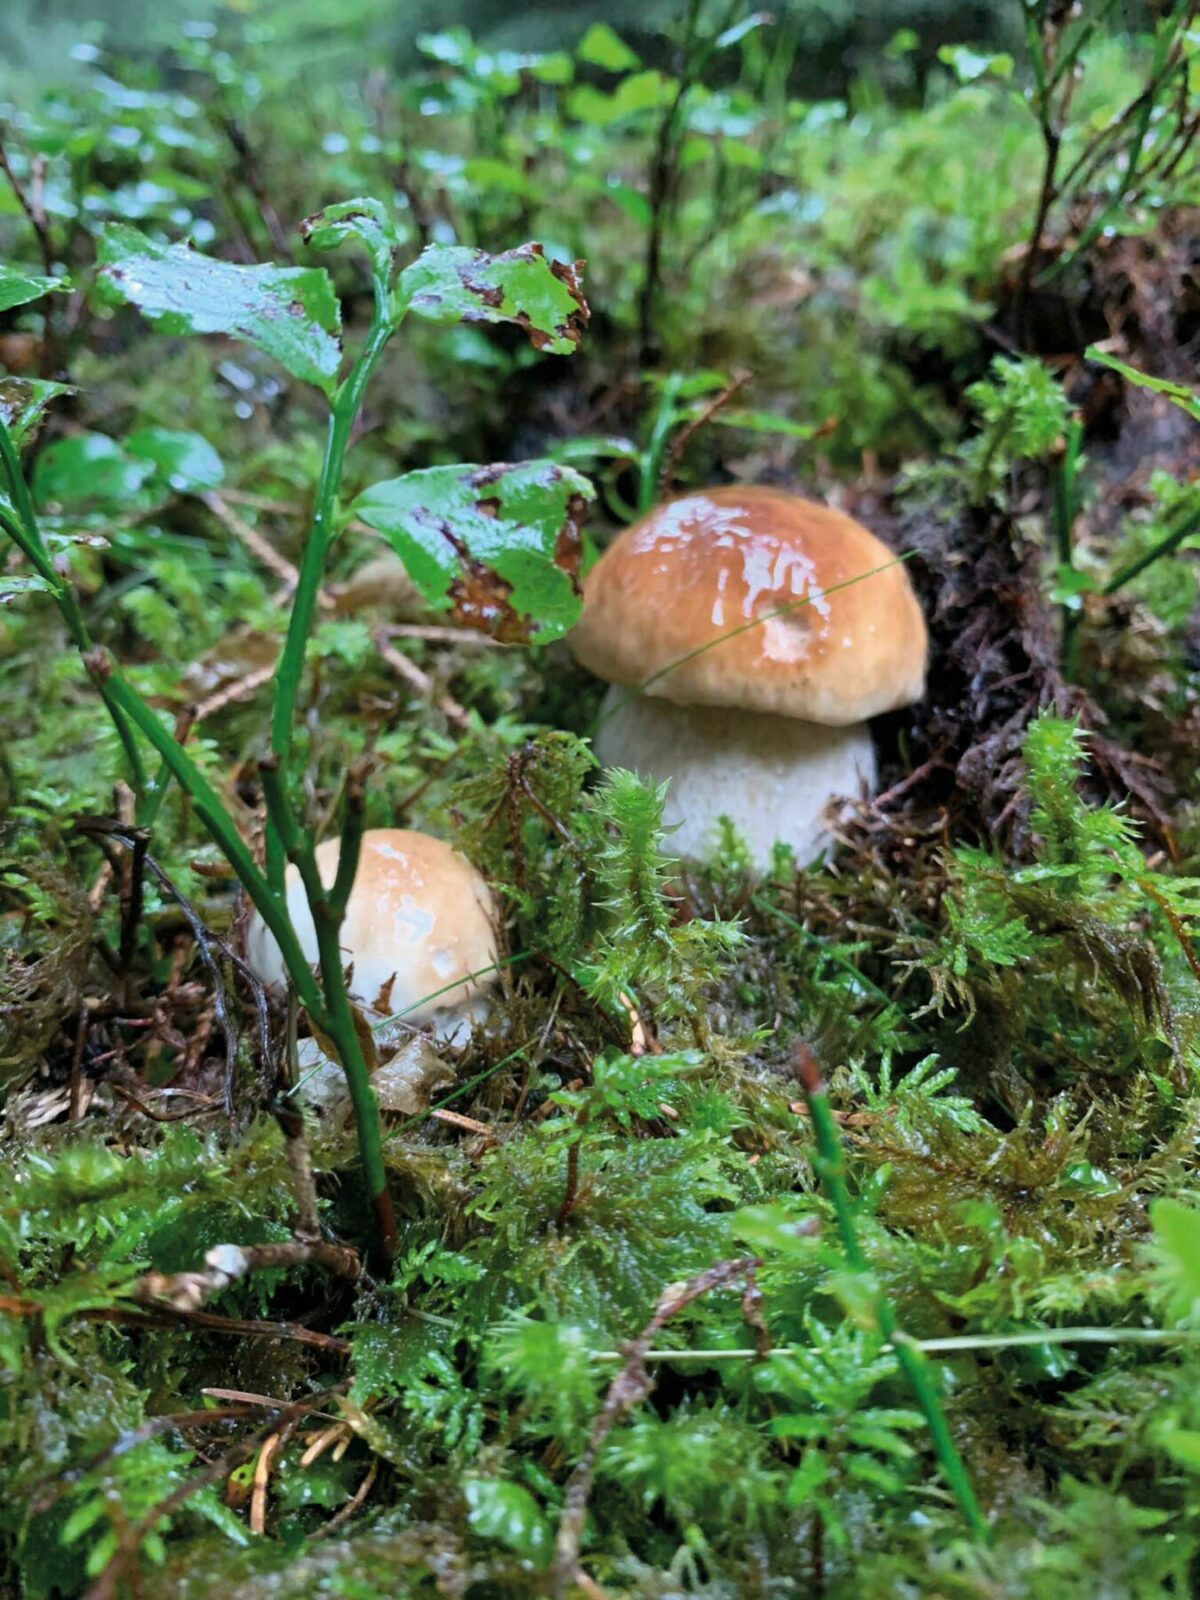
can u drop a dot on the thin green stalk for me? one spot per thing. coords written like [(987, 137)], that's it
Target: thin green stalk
[(1170, 541), (26, 534), (316, 552), (832, 1172), (337, 1014), (219, 824), (952, 1345)]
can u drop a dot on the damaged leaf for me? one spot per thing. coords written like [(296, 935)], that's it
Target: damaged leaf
[(544, 298), (23, 402), (289, 313), (365, 220), (499, 545)]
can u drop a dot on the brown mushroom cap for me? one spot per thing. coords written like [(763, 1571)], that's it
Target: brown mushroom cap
[(418, 926), (702, 565)]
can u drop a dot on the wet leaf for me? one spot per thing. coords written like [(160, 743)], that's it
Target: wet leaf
[(602, 47), (500, 545), (88, 469), (364, 220), (24, 400), (290, 313), (187, 462), (509, 1513), (448, 283), (12, 587), (19, 288)]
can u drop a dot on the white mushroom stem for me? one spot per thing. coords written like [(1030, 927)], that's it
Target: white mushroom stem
[(776, 778)]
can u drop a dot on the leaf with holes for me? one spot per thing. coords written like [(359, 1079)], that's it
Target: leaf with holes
[(448, 283), (22, 402), (289, 313), (19, 288), (498, 545)]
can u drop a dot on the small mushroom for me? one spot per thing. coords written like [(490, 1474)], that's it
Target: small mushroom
[(417, 933), (745, 661)]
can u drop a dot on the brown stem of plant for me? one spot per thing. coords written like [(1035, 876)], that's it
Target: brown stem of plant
[(685, 435), (629, 1388)]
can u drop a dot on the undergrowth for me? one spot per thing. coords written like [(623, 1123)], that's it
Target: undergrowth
[(993, 1185)]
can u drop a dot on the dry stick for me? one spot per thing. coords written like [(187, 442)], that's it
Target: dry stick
[(419, 681), (227, 1263), (240, 689), (105, 1586), (685, 435), (258, 546), (629, 1388), (164, 1316), (831, 1170)]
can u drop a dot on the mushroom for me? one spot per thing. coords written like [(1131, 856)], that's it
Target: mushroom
[(417, 932), (745, 661)]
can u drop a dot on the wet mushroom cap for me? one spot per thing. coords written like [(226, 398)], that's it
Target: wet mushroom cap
[(731, 558), (418, 923)]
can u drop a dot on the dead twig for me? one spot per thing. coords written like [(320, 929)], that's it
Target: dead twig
[(420, 682), (628, 1389), (225, 1264)]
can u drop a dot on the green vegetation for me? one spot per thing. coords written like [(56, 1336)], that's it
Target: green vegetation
[(827, 1233)]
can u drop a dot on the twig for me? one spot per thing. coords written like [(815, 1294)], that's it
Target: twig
[(343, 1514), (258, 546), (35, 213), (420, 681), (226, 1263), (685, 435), (628, 1389), (240, 689), (105, 1586)]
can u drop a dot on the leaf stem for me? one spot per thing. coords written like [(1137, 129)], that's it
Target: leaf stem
[(336, 1016), (321, 534)]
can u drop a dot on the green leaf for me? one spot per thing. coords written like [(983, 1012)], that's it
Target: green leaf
[(22, 402), (449, 283), (1183, 1444), (1178, 393), (602, 47), (508, 1513), (365, 220), (765, 422), (11, 587), (19, 288), (88, 469), (500, 544), (187, 462), (290, 313)]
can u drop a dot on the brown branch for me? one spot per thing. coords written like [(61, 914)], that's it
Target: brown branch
[(226, 1263), (685, 435), (629, 1388)]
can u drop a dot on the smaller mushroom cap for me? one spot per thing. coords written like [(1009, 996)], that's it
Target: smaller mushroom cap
[(417, 924), (703, 565)]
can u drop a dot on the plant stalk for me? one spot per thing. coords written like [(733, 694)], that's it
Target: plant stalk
[(832, 1171)]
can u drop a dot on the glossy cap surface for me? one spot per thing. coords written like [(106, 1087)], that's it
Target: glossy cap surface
[(755, 598), (418, 922)]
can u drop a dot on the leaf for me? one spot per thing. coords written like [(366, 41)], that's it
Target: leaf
[(187, 462), (1177, 1237), (499, 544), (11, 587), (449, 283), (290, 313), (19, 288), (604, 48), (1178, 393), (22, 402), (765, 422), (85, 470), (365, 220), (508, 1513)]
